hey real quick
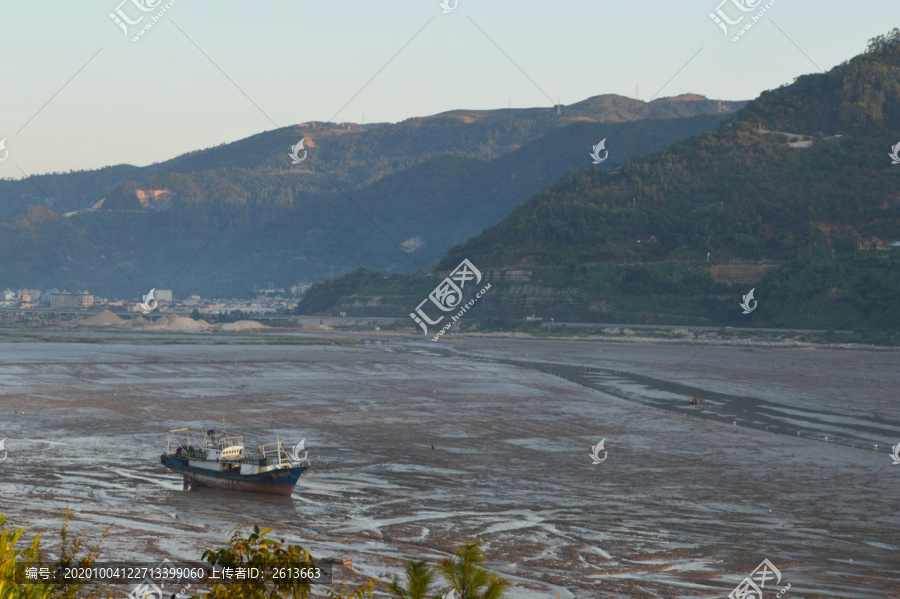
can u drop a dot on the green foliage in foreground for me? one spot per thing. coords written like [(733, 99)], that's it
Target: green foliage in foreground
[(267, 554), (467, 575), (12, 558), (465, 572), (419, 579)]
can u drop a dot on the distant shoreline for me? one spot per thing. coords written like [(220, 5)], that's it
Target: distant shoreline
[(717, 341), (311, 335)]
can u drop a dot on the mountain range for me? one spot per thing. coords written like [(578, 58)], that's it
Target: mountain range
[(797, 195), (393, 197)]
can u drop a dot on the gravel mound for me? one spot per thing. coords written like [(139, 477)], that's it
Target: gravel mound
[(104, 319), (171, 322), (242, 325), (168, 322)]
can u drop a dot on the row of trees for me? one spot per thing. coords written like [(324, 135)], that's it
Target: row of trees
[(464, 574), (847, 289)]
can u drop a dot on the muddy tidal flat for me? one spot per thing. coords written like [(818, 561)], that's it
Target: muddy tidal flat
[(417, 447)]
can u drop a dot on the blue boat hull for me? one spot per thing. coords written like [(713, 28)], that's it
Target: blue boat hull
[(278, 482)]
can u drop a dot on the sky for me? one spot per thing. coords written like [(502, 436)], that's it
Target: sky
[(77, 93)]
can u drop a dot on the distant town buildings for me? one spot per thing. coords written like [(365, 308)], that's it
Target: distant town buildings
[(78, 301), (29, 295), (271, 291), (266, 301)]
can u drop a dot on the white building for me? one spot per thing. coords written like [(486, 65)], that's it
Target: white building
[(299, 289)]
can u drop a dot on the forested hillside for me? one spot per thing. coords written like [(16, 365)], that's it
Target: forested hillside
[(801, 179), (225, 230)]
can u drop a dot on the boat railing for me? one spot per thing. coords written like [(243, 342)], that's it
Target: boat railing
[(200, 453), (223, 440), (277, 453), (182, 438), (272, 454)]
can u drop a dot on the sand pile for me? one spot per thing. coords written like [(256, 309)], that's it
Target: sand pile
[(241, 325), (171, 322), (104, 319), (138, 322), (168, 322)]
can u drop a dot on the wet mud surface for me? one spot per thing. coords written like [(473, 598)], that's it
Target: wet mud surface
[(688, 502)]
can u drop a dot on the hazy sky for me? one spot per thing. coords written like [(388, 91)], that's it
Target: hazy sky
[(76, 92)]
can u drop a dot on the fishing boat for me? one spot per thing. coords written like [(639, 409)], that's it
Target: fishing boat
[(220, 460)]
